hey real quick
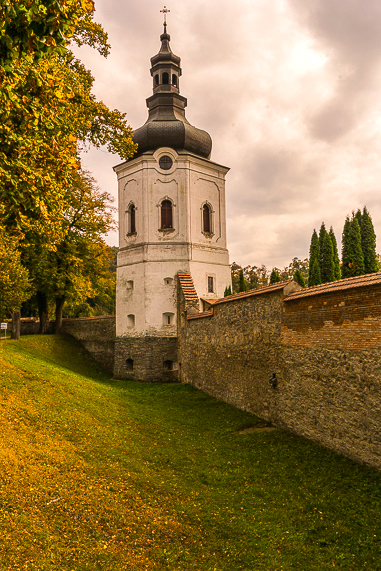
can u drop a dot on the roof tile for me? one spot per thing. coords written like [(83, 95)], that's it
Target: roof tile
[(339, 285)]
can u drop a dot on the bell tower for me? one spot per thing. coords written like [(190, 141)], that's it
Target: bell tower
[(171, 220)]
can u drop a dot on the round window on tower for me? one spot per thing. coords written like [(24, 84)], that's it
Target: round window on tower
[(165, 163)]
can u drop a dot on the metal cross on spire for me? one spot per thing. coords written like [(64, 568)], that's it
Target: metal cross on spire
[(165, 12)]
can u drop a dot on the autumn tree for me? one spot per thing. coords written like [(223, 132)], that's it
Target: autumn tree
[(296, 265), (47, 109), (255, 276), (78, 268), (234, 270), (14, 279)]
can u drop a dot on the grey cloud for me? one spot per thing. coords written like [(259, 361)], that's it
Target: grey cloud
[(290, 134), (276, 180), (349, 32)]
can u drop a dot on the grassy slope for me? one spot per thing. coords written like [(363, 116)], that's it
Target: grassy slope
[(112, 475)]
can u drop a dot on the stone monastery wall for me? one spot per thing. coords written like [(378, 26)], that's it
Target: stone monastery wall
[(321, 348), (97, 335), (305, 360)]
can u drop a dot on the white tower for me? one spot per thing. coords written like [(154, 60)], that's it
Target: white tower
[(171, 219)]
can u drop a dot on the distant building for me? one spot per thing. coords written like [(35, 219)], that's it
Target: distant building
[(172, 220)]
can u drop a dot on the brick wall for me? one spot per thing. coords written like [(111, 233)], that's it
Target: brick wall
[(341, 319)]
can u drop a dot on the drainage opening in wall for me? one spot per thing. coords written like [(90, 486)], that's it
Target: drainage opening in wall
[(130, 364), (168, 365)]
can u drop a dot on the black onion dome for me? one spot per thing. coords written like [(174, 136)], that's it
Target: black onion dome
[(166, 125)]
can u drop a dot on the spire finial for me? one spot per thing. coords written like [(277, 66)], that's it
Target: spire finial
[(165, 12)]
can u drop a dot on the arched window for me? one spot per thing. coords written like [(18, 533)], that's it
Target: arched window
[(166, 214), (174, 80), (165, 78), (156, 79), (206, 219), (132, 219)]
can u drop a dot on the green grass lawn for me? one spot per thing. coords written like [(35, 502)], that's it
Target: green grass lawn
[(113, 475)]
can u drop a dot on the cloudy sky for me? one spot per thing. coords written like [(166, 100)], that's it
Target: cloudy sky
[(290, 92)]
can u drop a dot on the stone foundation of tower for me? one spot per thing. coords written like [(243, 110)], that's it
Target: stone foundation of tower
[(146, 358)]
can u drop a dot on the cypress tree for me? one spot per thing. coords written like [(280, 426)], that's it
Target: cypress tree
[(299, 278), (327, 262), (228, 291), (336, 259), (322, 233), (358, 215), (242, 286), (274, 277), (352, 256), (314, 275), (368, 243)]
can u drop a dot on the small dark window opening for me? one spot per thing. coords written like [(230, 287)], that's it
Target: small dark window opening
[(165, 78), (206, 215), (166, 214), (130, 364), (165, 163), (210, 284), (132, 220), (156, 79), (174, 80), (168, 365)]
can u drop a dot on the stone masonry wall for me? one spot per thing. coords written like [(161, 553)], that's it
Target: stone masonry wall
[(325, 351), (148, 359), (233, 353), (331, 354), (97, 335)]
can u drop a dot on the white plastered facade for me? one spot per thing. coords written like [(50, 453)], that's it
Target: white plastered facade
[(150, 257)]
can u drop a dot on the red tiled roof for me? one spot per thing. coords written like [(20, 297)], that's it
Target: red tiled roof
[(209, 301), (339, 285), (207, 313), (259, 291), (188, 289)]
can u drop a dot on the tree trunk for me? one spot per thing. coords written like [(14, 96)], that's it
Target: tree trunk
[(16, 321), (59, 307), (42, 312)]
